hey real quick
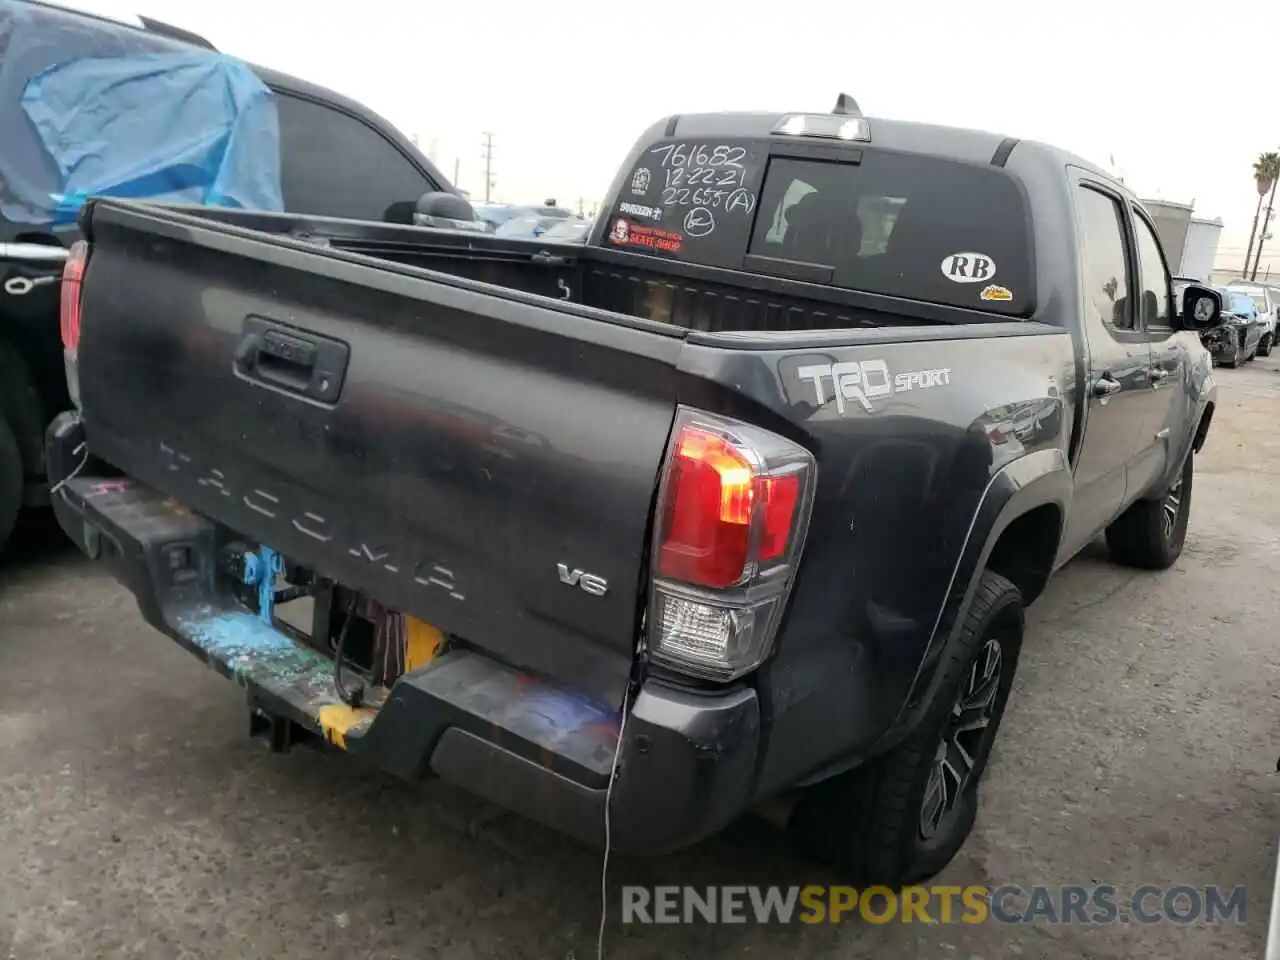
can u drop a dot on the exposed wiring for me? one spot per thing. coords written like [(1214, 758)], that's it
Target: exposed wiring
[(608, 833), (84, 460), (352, 698), (632, 684)]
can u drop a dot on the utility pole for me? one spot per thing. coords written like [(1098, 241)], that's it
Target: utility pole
[(487, 156), (1266, 221), (1257, 215), (457, 162)]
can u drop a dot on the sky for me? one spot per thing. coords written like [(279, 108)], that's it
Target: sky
[(1140, 87)]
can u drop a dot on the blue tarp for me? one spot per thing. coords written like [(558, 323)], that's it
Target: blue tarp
[(91, 110)]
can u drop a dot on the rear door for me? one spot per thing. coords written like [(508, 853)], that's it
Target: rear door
[(1116, 384), (1169, 400)]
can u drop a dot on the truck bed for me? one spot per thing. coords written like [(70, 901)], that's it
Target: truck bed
[(692, 297)]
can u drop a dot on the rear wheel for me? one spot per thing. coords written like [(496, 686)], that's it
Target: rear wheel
[(1264, 345), (903, 816), (1151, 533), (11, 481)]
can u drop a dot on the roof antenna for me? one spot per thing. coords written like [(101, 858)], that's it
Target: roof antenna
[(846, 106)]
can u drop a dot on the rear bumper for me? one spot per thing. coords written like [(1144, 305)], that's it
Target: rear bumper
[(686, 765)]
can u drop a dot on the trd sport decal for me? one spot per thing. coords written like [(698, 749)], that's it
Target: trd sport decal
[(862, 381)]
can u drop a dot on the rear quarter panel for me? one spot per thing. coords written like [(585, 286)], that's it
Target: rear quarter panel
[(906, 490)]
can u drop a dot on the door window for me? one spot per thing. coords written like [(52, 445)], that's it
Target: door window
[(1155, 278), (1106, 268), (333, 165)]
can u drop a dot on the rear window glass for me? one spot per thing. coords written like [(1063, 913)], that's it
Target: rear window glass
[(905, 225), (691, 200), (901, 224)]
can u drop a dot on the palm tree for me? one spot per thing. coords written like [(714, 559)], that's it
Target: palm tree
[(1266, 171)]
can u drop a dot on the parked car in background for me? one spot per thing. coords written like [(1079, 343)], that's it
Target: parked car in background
[(497, 214), (1236, 340), (494, 215), (569, 231), (336, 158), (527, 226), (1267, 301)]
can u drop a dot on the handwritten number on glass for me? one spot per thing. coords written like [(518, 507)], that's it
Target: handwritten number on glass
[(700, 155)]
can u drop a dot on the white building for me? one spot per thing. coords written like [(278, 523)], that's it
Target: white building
[(1201, 248), (1190, 243)]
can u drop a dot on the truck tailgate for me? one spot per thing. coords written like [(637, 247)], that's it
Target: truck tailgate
[(480, 461)]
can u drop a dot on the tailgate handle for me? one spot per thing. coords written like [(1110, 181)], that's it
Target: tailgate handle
[(311, 366)]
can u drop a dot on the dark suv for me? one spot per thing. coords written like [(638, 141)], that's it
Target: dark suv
[(337, 159)]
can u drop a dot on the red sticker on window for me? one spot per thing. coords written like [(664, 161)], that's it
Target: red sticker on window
[(628, 234)]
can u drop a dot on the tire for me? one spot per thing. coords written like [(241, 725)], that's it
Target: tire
[(1264, 345), (1151, 533), (1236, 351), (11, 482), (872, 823)]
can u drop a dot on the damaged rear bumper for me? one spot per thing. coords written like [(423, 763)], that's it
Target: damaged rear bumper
[(686, 766)]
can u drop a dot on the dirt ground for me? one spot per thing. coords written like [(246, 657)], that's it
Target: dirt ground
[(137, 819)]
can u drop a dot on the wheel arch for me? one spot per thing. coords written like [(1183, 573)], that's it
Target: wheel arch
[(1016, 532), (1202, 428), (1025, 550)]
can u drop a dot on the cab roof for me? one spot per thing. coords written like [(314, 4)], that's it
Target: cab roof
[(976, 146)]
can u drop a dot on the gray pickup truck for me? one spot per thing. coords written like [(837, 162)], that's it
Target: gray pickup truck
[(741, 500)]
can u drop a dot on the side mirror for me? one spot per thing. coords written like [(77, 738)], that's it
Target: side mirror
[(446, 210), (1201, 308)]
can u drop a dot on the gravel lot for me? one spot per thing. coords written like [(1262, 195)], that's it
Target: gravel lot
[(138, 820)]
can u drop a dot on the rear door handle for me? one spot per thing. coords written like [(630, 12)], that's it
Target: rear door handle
[(1105, 386), (295, 361)]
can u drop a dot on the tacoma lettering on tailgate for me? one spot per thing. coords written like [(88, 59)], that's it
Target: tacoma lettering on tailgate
[(428, 572)]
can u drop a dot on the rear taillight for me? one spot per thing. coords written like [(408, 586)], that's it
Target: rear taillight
[(732, 514), (72, 277)]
